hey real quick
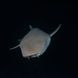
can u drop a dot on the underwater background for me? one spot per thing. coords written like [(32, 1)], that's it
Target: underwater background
[(58, 60)]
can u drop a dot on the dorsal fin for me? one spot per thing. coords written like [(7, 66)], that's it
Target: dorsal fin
[(30, 26)]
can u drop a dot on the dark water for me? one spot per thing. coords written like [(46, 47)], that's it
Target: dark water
[(57, 61)]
